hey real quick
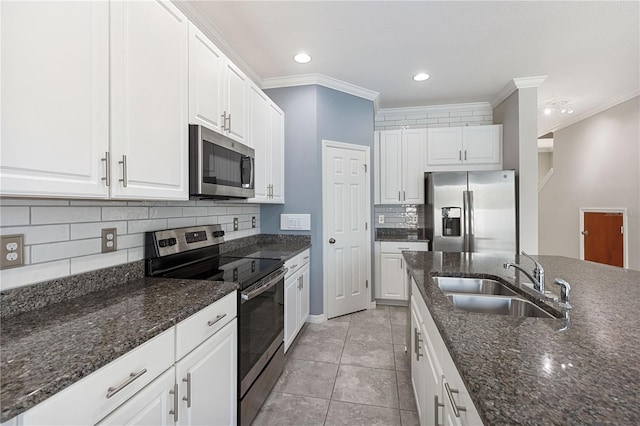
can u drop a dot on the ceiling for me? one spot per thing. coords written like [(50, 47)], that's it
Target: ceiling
[(589, 51)]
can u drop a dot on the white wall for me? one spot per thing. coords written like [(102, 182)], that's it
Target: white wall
[(545, 163), (62, 237), (596, 163)]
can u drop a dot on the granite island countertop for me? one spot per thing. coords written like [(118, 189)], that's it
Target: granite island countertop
[(529, 370)]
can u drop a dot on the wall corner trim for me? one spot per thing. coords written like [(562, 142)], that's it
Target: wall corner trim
[(316, 319), (515, 84)]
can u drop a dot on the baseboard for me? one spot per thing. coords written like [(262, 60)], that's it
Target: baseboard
[(316, 319), (391, 302), (373, 305)]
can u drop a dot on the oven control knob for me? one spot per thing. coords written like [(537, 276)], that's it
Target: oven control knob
[(162, 243), (332, 240), (172, 242)]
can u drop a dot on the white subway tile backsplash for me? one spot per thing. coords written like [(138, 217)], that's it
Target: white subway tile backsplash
[(94, 229), (206, 220), (449, 120), (181, 222), (67, 249), (39, 234), (461, 113), (130, 241), (194, 211), (124, 213), (97, 261), (50, 215), (100, 203), (483, 112), (442, 116), (33, 202), (136, 226), (29, 274), (11, 216), (134, 254), (438, 115), (164, 212)]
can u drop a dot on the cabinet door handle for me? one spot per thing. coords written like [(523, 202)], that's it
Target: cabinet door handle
[(188, 397), (436, 405), (417, 343), (456, 408), (174, 392), (124, 171), (465, 155), (460, 155), (399, 199), (218, 318), (107, 174), (301, 282), (132, 377), (401, 264), (404, 195)]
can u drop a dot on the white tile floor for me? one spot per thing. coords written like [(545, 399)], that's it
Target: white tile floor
[(350, 370)]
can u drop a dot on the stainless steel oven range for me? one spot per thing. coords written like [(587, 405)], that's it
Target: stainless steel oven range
[(193, 253)]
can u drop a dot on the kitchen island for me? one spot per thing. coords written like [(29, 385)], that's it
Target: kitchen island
[(522, 370)]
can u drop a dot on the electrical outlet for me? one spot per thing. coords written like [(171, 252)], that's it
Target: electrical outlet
[(12, 251), (381, 218), (235, 223), (253, 221), (109, 240)]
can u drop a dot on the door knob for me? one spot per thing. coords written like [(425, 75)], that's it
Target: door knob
[(332, 241), (585, 233)]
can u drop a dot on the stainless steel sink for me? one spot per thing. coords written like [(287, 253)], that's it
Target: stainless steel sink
[(501, 305), (473, 286)]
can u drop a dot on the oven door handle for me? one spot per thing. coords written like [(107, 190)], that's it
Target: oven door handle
[(261, 287)]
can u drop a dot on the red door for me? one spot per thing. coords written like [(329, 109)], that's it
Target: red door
[(603, 238)]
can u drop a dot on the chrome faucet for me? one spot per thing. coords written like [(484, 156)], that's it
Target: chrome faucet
[(565, 293), (538, 273)]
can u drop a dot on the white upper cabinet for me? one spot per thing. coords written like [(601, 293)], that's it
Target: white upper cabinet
[(235, 105), (206, 66), (267, 134), (55, 98), (149, 100), (464, 148), (401, 158)]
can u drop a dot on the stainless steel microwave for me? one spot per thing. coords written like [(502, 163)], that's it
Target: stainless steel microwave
[(219, 167)]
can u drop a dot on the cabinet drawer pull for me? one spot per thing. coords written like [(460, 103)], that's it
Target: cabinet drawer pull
[(456, 408), (188, 397), (436, 405), (218, 318), (107, 175), (305, 258), (133, 376), (404, 248), (174, 392)]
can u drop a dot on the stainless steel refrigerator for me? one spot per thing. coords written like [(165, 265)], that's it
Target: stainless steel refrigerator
[(471, 211)]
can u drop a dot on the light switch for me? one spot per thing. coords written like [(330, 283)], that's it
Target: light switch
[(295, 222)]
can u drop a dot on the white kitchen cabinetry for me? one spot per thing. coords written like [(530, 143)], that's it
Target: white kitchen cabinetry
[(109, 95), (55, 98), (149, 100), (392, 283), (193, 364), (267, 136), (207, 381), (437, 384), (464, 148), (235, 108), (206, 67), (296, 296), (151, 406), (401, 166)]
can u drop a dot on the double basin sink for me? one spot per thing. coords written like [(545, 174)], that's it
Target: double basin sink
[(487, 296)]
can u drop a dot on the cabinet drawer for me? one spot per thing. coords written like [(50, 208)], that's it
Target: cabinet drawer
[(398, 247), (198, 327), (87, 401), (292, 265)]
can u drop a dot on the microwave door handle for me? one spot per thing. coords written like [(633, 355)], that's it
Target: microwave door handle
[(252, 174)]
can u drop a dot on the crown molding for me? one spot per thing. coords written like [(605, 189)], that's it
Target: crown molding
[(321, 80), (435, 108), (609, 103), (515, 84)]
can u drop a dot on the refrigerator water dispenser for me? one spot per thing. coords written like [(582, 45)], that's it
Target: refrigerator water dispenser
[(451, 221)]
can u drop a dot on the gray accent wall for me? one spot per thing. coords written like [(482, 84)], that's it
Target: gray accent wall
[(596, 163), (313, 114)]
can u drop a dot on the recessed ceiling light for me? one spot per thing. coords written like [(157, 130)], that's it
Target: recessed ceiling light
[(421, 76), (302, 58), (547, 111)]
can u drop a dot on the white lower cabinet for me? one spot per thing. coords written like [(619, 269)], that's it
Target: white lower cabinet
[(296, 296), (151, 385), (391, 275), (151, 406), (207, 381), (441, 396)]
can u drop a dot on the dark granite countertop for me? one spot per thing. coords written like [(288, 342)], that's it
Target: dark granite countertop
[(529, 370), (55, 333), (48, 349), (401, 235)]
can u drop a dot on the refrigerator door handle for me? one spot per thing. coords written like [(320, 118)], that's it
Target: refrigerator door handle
[(471, 221), (465, 221)]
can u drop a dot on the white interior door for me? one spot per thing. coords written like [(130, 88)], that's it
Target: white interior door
[(346, 211)]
